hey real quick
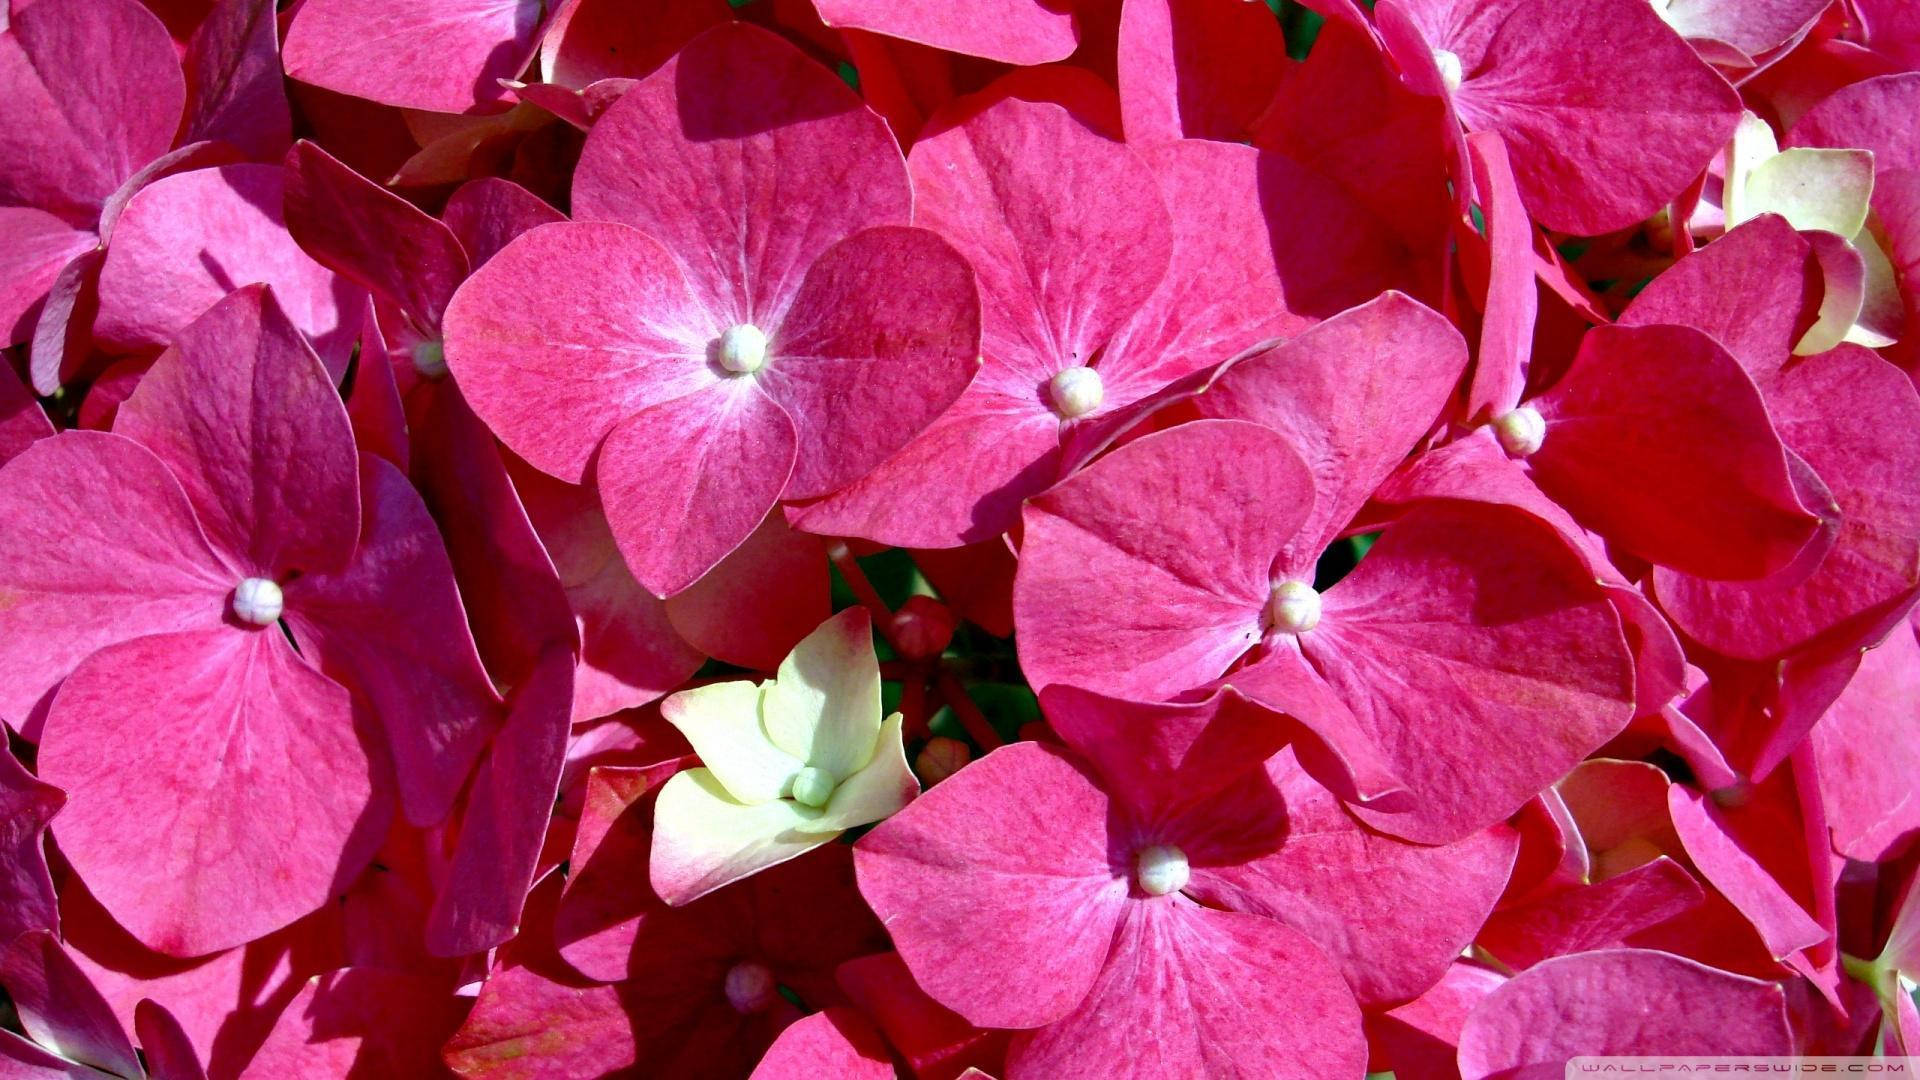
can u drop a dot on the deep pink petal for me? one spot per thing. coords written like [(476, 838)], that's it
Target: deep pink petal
[(601, 907), (1867, 115), (1331, 744), (371, 236), (1513, 297), (996, 888), (1353, 396), (444, 56), (1201, 69), (1866, 761), (752, 608), (260, 804), (926, 1034), (1012, 31), (1659, 441), (62, 339), (1602, 915), (1150, 606), (1753, 27), (1619, 1001), (882, 336), (486, 214), (617, 39), (1422, 1037), (189, 239), (552, 371), (1784, 925), (391, 628), (77, 578), (1874, 565), (363, 1021), (506, 816), (1755, 291), (22, 421), (246, 418), (835, 1042), (1462, 628), (170, 1054), (27, 900), (687, 481), (93, 91), (58, 1007), (1389, 914), (747, 160), (234, 89), (1189, 991), (36, 246)]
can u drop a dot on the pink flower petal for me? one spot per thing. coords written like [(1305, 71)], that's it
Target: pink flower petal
[(1867, 115), (245, 417), (1513, 297), (714, 154), (236, 845), (1585, 917), (593, 40), (188, 239), (391, 628), (442, 56), (1619, 1001), (59, 1008), (234, 89), (1741, 876), (996, 887), (371, 236), (1753, 27), (601, 906), (930, 1037), (22, 421), (37, 246), (836, 1042), (1755, 291), (1421, 1038), (1659, 441), (1189, 991), (362, 1019), (27, 900), (1389, 914), (62, 339), (93, 91), (1866, 761), (506, 814), (486, 214), (1011, 31), (77, 579), (553, 371), (1200, 69), (752, 608), (170, 1054)]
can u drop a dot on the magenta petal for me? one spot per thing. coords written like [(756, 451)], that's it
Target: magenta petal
[(363, 1021), (1755, 291), (234, 89), (593, 40), (1866, 759), (1477, 651), (687, 481), (1784, 925), (1189, 991), (1148, 607), (188, 239), (747, 160), (506, 816), (837, 1042), (601, 909), (882, 336), (1332, 746), (60, 1008), (27, 900), (22, 421), (1201, 69), (996, 887), (552, 371), (1751, 26), (1871, 115), (442, 56), (1389, 914), (244, 415), (1619, 1001), (76, 578), (1421, 1038), (486, 214), (170, 1054), (1513, 296), (1659, 441), (230, 846), (1581, 918), (34, 247), (1011, 31), (1353, 395), (368, 234), (63, 335), (1875, 562), (93, 92), (751, 609), (390, 627)]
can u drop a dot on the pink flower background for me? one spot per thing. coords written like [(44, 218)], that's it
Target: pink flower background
[(936, 538)]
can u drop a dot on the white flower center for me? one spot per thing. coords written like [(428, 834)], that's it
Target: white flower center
[(1451, 72), (1161, 869), (743, 349), (1077, 391), (430, 360), (812, 787), (1295, 607), (749, 987), (1521, 431), (259, 601)]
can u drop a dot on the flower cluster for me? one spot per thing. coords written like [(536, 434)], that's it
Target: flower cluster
[(936, 538)]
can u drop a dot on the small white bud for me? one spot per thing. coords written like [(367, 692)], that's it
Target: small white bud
[(1161, 869), (1077, 391), (1521, 431), (1295, 607), (743, 349), (812, 787), (1451, 71), (258, 601), (430, 360), (750, 987)]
